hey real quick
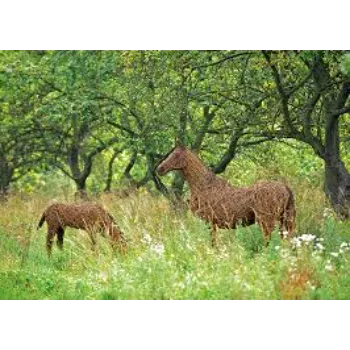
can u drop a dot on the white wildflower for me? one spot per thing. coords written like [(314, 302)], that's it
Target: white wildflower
[(319, 246), (277, 247), (237, 278), (293, 263), (189, 247), (103, 276), (147, 239), (285, 234), (157, 248), (327, 213), (307, 237), (188, 278), (181, 285), (296, 242), (345, 246), (284, 253), (310, 285), (292, 270), (223, 256), (334, 254), (329, 266)]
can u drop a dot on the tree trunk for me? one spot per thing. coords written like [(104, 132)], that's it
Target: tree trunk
[(337, 187), (176, 192), (4, 186), (5, 179), (79, 176), (337, 177), (177, 187), (110, 172), (3, 193), (81, 193)]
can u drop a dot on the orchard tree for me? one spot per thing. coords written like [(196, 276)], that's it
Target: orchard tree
[(20, 94), (71, 120), (311, 109)]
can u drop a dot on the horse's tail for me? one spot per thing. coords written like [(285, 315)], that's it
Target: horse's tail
[(289, 213)]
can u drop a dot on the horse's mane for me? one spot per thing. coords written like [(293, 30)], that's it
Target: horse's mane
[(165, 156)]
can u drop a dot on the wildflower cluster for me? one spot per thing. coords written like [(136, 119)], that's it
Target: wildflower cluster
[(156, 248), (308, 240)]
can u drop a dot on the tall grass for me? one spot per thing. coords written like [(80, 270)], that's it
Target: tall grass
[(169, 255)]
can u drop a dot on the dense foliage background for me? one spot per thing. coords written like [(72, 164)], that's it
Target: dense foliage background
[(104, 119)]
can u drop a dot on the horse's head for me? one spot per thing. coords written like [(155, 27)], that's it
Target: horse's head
[(174, 160)]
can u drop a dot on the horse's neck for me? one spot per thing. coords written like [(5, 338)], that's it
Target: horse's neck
[(197, 174)]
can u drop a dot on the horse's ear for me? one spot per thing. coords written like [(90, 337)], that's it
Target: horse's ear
[(178, 143)]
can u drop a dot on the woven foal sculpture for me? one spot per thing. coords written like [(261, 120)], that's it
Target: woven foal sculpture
[(224, 206), (90, 217)]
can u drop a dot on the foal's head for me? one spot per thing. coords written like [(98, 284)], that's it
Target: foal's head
[(175, 160)]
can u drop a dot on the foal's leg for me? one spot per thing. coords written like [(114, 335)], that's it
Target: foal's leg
[(93, 236), (117, 239), (49, 240)]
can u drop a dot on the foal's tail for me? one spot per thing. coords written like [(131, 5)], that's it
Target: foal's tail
[(110, 217), (42, 220)]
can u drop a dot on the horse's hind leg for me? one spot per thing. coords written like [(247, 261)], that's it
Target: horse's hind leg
[(290, 222), (287, 223), (267, 226), (60, 234), (283, 226)]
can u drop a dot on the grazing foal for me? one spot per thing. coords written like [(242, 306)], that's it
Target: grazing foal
[(215, 200), (90, 217)]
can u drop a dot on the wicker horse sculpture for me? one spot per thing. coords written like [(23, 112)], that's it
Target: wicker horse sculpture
[(216, 201)]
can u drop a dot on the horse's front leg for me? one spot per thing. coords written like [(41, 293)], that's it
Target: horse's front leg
[(214, 235)]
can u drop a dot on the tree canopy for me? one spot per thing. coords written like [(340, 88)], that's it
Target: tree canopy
[(65, 109)]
